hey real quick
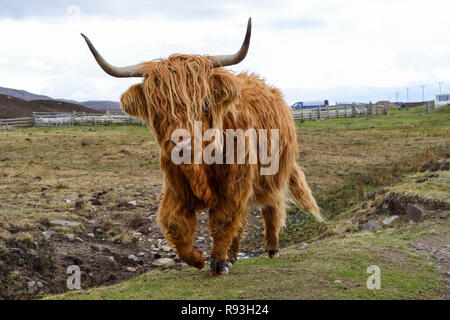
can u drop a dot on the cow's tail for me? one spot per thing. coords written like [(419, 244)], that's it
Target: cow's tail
[(301, 193)]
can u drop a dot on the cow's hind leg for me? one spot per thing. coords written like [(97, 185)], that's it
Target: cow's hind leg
[(235, 245), (224, 223), (274, 217), (178, 223)]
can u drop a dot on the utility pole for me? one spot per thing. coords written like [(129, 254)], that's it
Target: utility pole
[(407, 94), (440, 83), (423, 94)]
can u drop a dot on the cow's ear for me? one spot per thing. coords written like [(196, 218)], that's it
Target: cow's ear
[(225, 87), (133, 102)]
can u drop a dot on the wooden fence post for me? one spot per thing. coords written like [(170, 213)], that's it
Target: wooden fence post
[(328, 111), (353, 110), (318, 113)]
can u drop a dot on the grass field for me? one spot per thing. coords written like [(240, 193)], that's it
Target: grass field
[(55, 173)]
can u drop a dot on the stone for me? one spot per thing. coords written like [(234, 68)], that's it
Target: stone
[(91, 235), (32, 287), (132, 257), (159, 243), (64, 223), (388, 221), (39, 284), (200, 238), (111, 258), (163, 262), (133, 202), (131, 269), (166, 248), (413, 213), (371, 225), (48, 234), (71, 236), (337, 281)]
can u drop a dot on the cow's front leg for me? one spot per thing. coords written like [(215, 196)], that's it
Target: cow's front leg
[(224, 223), (178, 223)]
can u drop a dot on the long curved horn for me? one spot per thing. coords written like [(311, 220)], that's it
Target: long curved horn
[(228, 60), (118, 72)]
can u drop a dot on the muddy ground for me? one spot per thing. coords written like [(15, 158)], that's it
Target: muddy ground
[(112, 243)]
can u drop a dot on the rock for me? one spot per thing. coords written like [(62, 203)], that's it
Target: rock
[(388, 221), (159, 243), (133, 203), (39, 284), (141, 254), (111, 258), (136, 234), (163, 262), (71, 236), (48, 233), (337, 281), (131, 269), (413, 213), (64, 223), (371, 225), (91, 235), (200, 238), (166, 248), (132, 257), (68, 201), (32, 287)]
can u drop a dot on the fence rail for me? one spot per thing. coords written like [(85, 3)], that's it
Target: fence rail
[(6, 124), (346, 111)]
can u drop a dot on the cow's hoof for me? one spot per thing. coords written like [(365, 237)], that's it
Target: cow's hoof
[(231, 262), (272, 254), (195, 259), (218, 268)]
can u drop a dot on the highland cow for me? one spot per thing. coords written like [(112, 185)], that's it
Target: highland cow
[(183, 89)]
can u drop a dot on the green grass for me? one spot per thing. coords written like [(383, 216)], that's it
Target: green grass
[(298, 274)]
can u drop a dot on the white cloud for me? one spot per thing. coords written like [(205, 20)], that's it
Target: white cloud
[(37, 65)]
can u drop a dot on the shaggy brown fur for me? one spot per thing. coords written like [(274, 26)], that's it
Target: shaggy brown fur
[(184, 88)]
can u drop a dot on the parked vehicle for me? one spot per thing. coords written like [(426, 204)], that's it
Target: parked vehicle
[(309, 104)]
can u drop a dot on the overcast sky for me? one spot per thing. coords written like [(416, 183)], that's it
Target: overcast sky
[(311, 50)]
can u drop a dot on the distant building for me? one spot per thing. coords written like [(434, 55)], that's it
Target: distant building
[(442, 99)]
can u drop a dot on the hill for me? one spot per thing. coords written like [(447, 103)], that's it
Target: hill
[(22, 94), (28, 96), (11, 107), (101, 104)]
